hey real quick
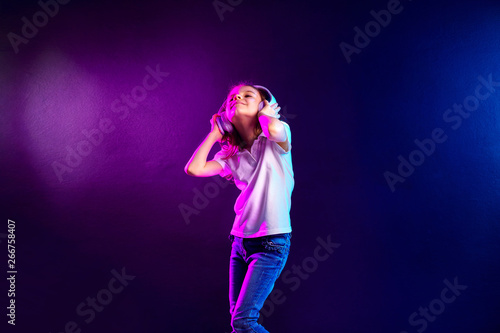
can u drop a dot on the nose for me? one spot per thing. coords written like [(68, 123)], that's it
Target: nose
[(236, 97)]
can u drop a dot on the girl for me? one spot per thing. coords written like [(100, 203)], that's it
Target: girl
[(256, 155)]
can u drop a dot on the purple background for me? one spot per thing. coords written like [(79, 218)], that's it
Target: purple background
[(119, 207)]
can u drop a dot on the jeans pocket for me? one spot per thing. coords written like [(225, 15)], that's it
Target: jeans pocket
[(279, 243)]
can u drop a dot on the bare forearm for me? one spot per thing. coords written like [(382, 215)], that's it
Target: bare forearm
[(272, 127), (199, 158)]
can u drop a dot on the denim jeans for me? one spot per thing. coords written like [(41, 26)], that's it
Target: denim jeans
[(254, 266)]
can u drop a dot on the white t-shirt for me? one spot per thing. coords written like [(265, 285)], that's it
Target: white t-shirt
[(265, 178)]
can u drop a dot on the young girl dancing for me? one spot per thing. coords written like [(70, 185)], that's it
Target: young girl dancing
[(255, 153)]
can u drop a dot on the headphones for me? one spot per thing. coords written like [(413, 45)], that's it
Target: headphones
[(225, 126)]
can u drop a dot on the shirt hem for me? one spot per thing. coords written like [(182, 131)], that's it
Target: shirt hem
[(262, 233)]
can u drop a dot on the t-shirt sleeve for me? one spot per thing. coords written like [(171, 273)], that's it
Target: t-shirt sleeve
[(226, 170), (289, 137)]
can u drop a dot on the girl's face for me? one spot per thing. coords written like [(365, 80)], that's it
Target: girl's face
[(242, 101)]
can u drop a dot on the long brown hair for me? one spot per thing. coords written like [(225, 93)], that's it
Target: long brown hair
[(232, 142)]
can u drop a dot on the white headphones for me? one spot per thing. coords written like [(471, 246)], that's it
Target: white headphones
[(225, 126)]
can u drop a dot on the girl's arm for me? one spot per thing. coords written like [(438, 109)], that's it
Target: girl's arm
[(272, 127), (198, 165)]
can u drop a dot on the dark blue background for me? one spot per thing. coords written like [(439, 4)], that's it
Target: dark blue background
[(121, 207)]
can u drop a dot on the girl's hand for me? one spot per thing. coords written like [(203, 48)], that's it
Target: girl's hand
[(270, 110), (215, 129)]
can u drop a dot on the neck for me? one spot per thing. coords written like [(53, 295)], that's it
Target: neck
[(246, 129)]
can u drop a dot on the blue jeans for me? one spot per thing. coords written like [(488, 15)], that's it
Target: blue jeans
[(254, 266)]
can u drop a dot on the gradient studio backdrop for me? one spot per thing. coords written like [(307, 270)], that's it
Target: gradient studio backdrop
[(401, 183)]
